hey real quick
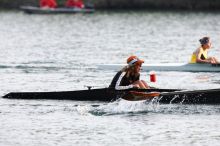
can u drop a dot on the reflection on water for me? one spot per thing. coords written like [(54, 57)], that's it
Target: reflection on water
[(123, 107), (203, 78)]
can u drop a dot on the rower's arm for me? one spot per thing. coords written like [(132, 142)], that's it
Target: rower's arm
[(118, 87)]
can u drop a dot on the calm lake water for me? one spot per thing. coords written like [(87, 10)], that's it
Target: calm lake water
[(61, 52)]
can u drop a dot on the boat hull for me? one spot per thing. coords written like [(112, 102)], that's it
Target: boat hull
[(185, 67), (211, 96), (103, 94), (38, 10)]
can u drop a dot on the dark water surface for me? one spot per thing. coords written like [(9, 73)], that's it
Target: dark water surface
[(60, 52)]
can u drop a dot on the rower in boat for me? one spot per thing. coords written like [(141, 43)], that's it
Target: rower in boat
[(129, 76), (48, 4), (75, 4), (200, 55)]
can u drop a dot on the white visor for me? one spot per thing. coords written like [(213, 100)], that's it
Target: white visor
[(131, 63)]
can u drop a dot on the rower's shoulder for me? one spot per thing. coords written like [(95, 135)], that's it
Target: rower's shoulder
[(198, 50)]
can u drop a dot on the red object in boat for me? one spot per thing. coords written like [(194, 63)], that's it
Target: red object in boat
[(152, 76)]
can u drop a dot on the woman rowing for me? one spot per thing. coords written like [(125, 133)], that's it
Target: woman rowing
[(129, 76), (200, 55)]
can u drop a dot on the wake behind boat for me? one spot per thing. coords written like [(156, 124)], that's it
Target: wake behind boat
[(38, 10), (209, 96), (184, 67)]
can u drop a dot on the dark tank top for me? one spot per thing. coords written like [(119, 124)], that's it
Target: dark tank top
[(125, 81), (203, 57)]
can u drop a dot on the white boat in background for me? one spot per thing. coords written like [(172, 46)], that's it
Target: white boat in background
[(184, 67)]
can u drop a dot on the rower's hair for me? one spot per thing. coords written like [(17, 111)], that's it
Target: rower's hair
[(204, 40), (125, 69)]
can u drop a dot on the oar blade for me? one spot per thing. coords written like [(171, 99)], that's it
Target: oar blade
[(137, 96)]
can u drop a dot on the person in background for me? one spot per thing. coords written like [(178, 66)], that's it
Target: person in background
[(48, 3), (75, 4), (129, 76), (200, 55)]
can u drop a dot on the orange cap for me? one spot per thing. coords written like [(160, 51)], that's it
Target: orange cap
[(132, 60)]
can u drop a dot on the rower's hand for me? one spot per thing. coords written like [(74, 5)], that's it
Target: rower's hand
[(212, 62), (136, 87)]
